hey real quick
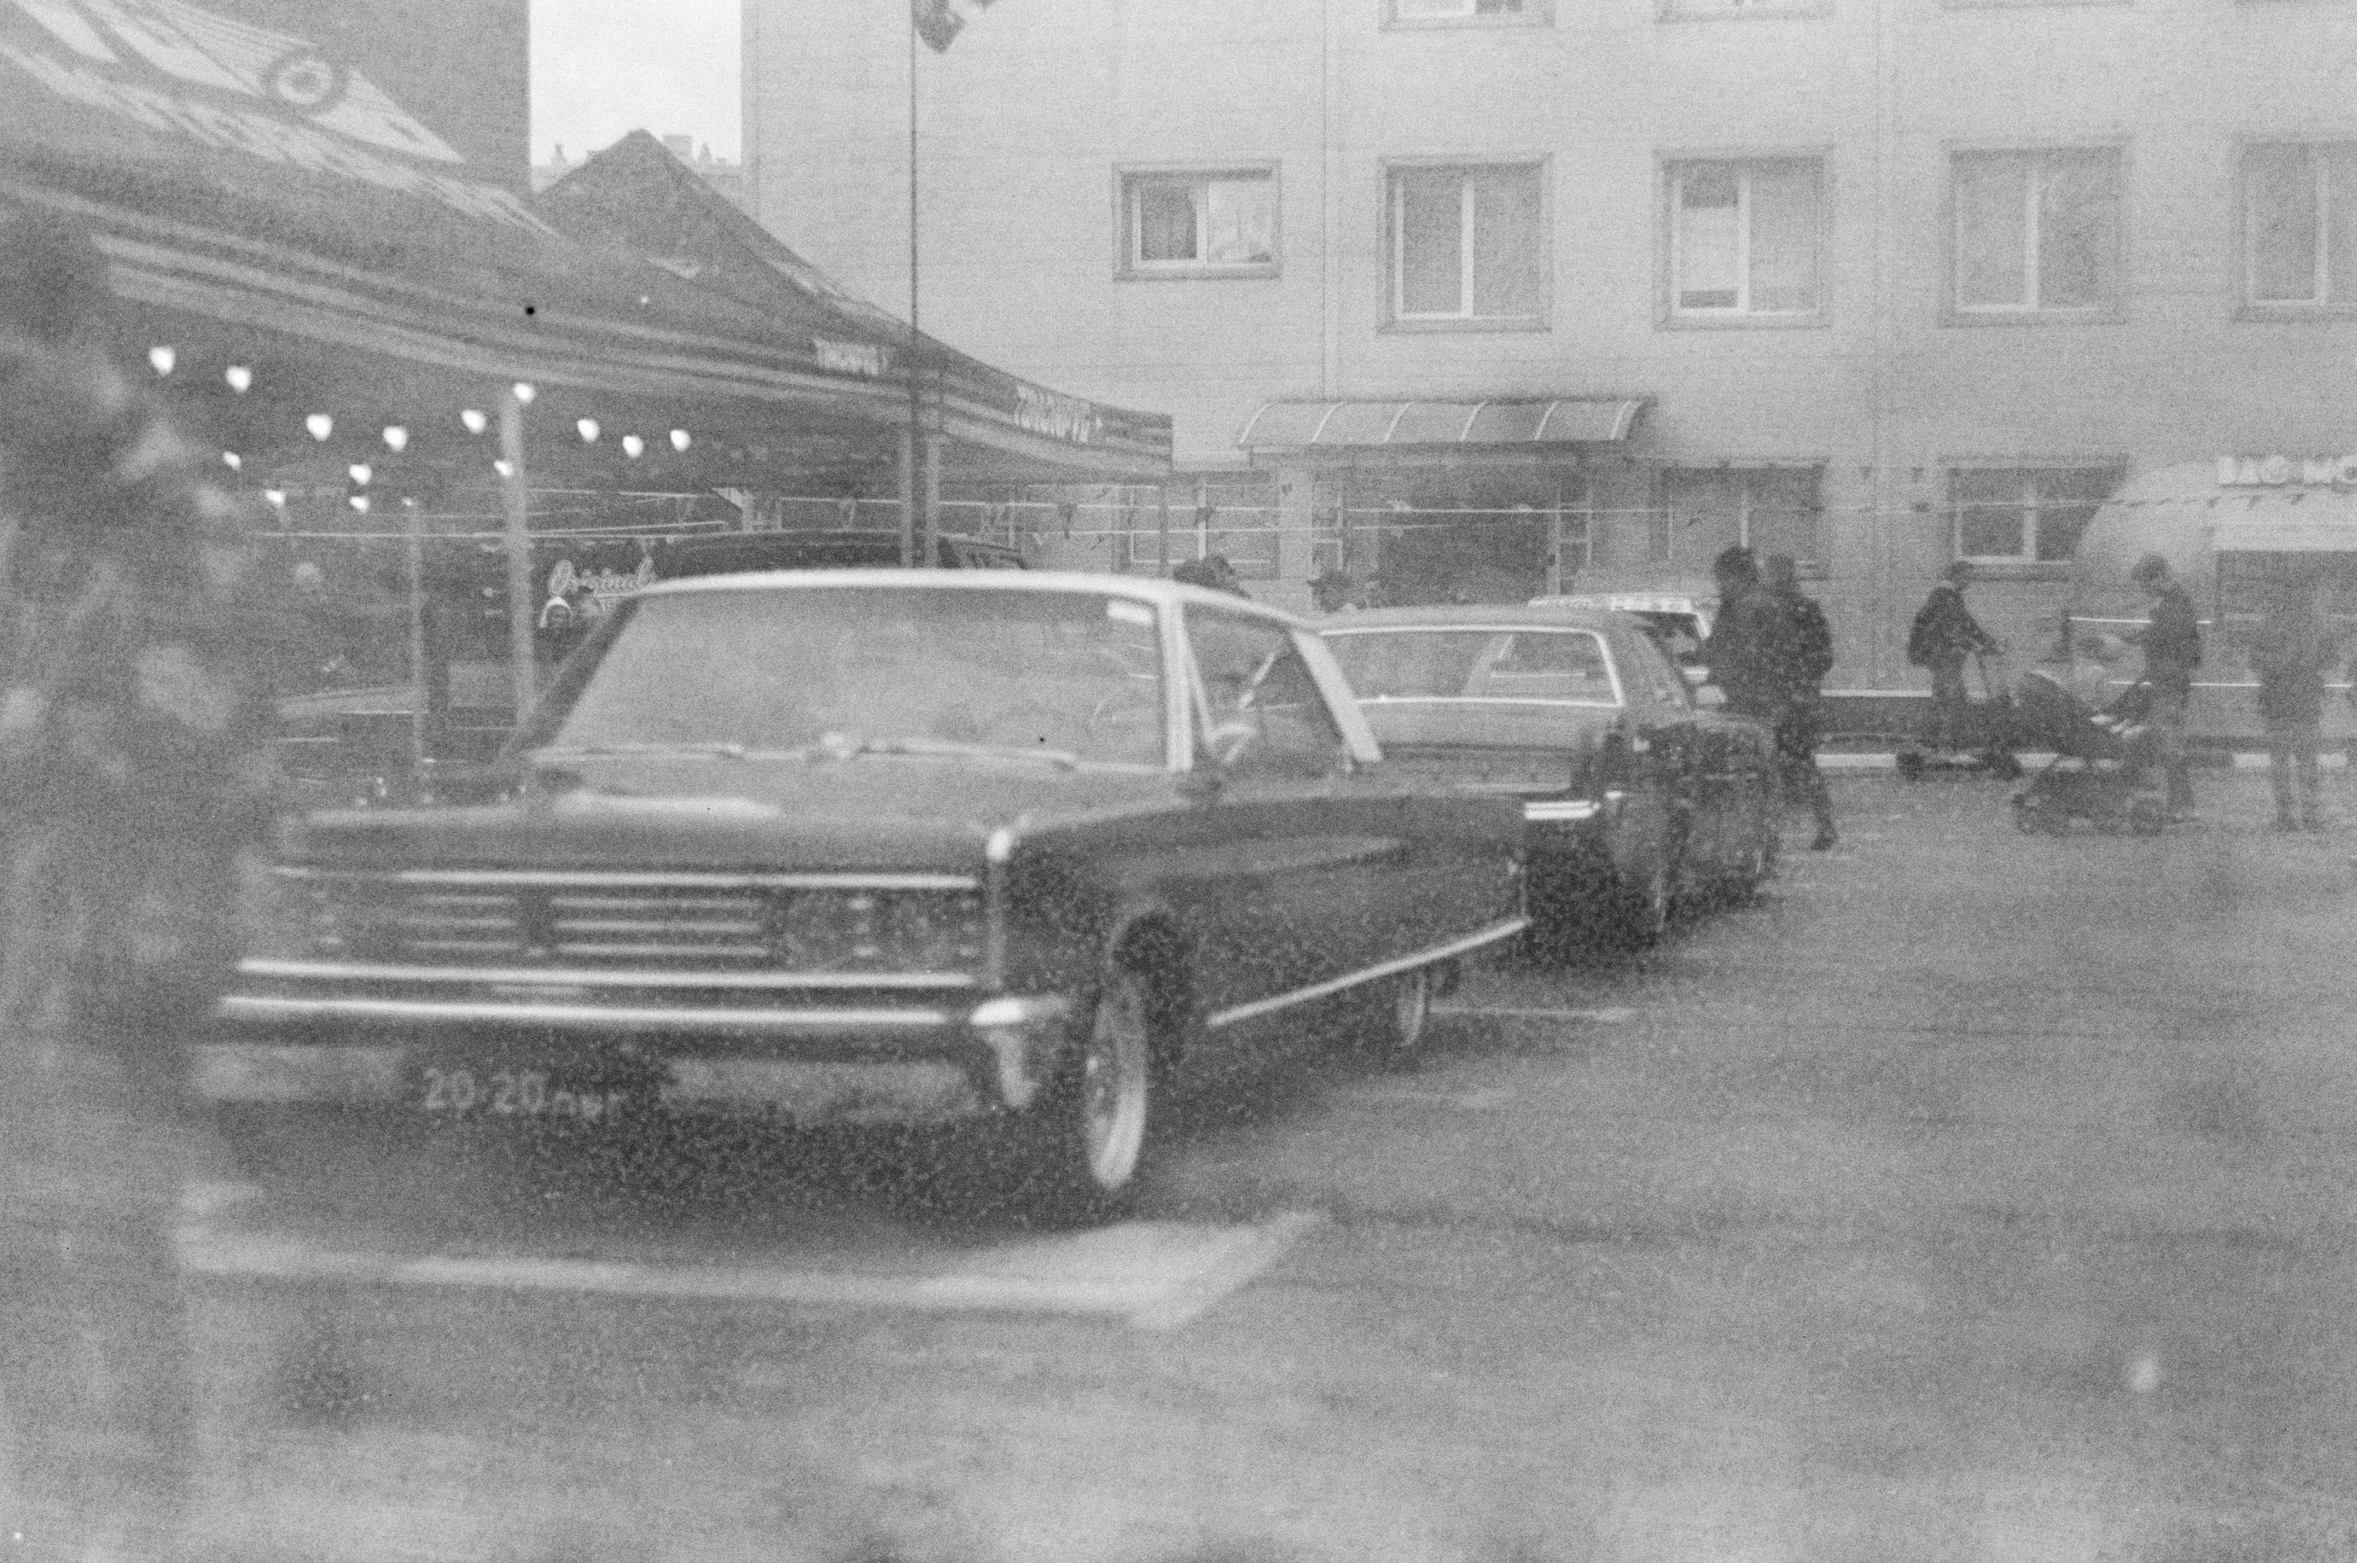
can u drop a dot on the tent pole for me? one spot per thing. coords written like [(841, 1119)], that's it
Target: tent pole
[(930, 513), (908, 491), (520, 606), (422, 705)]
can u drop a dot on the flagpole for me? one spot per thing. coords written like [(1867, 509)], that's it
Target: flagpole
[(911, 465)]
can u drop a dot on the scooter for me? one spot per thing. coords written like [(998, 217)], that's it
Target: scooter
[(1995, 758)]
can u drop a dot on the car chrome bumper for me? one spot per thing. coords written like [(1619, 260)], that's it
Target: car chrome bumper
[(814, 1063)]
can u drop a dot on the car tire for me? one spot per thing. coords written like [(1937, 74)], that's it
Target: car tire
[(1742, 887), (1642, 909), (1091, 1138), (1402, 1017)]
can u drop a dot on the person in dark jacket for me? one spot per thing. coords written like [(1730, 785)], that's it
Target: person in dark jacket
[(1800, 711), (1750, 648), (2172, 645), (134, 769), (2292, 655), (1943, 637)]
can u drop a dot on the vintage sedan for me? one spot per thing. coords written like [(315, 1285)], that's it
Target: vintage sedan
[(1638, 795), (872, 846)]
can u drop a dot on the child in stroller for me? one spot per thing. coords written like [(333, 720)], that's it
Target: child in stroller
[(2103, 765)]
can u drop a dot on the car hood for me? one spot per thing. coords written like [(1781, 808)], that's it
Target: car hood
[(879, 812)]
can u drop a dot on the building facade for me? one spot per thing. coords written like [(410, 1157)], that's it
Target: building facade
[(1486, 295)]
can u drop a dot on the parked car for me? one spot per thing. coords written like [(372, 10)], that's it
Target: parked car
[(872, 846), (1677, 615), (1637, 796), (841, 549)]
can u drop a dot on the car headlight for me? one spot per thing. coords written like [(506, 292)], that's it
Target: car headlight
[(879, 930)]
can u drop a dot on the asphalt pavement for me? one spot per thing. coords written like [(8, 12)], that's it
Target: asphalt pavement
[(1972, 1196)]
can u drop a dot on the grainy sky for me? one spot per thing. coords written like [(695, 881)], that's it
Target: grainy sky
[(601, 68)]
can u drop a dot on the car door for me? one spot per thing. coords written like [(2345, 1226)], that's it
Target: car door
[(1291, 848), (1671, 750)]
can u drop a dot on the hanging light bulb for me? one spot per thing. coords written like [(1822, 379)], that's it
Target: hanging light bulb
[(163, 358), (504, 467), (588, 429), (679, 439), (396, 437), (320, 425), (525, 391), (474, 420), (633, 446), (240, 378), (359, 502), (362, 473), (276, 496), (232, 460)]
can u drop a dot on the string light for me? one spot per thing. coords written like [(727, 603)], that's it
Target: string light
[(232, 460), (276, 496), (320, 425), (524, 392), (359, 502), (396, 437), (162, 358), (240, 378), (474, 420), (588, 429), (362, 473), (679, 440), (504, 467), (633, 446)]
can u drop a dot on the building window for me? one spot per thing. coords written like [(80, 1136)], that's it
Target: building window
[(2025, 515), (1414, 12), (1468, 245), (2037, 232), (1743, 238), (2300, 224), (1769, 510), (1190, 223)]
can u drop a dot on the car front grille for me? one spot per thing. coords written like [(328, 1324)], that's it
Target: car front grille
[(806, 923)]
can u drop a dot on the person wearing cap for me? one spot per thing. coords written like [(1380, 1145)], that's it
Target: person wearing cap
[(1943, 636), (2172, 644)]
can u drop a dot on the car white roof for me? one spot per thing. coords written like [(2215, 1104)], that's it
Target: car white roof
[(1139, 588)]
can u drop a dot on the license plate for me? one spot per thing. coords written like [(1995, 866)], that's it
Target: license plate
[(522, 1095)]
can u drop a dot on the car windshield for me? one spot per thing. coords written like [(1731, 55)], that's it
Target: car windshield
[(1524, 665), (1072, 676)]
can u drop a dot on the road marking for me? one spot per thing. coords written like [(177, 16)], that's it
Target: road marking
[(1157, 1275), (1612, 1016)]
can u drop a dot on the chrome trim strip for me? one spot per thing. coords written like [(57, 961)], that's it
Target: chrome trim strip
[(282, 970), (995, 854), (1561, 810), (650, 879), (1318, 990), (258, 1010)]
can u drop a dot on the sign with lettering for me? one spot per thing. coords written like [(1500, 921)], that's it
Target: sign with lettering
[(2287, 471), (167, 74), (871, 359), (1059, 417)]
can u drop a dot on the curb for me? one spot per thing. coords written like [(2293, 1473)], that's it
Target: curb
[(2031, 759)]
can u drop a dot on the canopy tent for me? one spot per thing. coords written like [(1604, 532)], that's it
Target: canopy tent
[(2211, 524), (266, 208)]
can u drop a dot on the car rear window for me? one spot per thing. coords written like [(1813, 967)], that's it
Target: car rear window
[(1546, 666)]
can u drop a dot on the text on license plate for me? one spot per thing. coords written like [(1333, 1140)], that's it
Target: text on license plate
[(518, 1093)]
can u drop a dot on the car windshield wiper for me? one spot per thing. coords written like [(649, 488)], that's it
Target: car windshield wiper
[(718, 751), (833, 746)]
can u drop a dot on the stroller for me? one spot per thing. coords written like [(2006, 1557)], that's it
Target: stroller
[(2103, 768), (1994, 718)]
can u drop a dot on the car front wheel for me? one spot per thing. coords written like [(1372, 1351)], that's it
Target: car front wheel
[(1093, 1134)]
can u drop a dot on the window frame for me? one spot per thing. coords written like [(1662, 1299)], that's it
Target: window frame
[(1392, 235), (1128, 177), (1957, 313), (1670, 167), (2025, 565), (2248, 306), (1810, 566), (1534, 13)]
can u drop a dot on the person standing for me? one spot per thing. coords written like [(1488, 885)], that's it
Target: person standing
[(1942, 637), (1753, 654), (1800, 712), (2172, 645), (134, 770), (2291, 655)]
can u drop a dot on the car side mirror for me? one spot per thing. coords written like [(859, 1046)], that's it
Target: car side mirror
[(1709, 696)]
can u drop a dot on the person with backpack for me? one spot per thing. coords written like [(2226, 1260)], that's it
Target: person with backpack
[(1943, 635), (1800, 714)]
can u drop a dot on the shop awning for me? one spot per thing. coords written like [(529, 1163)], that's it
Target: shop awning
[(1498, 424), (264, 199)]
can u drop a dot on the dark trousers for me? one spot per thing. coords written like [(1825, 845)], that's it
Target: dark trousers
[(1951, 706), (2292, 768), (1797, 728)]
